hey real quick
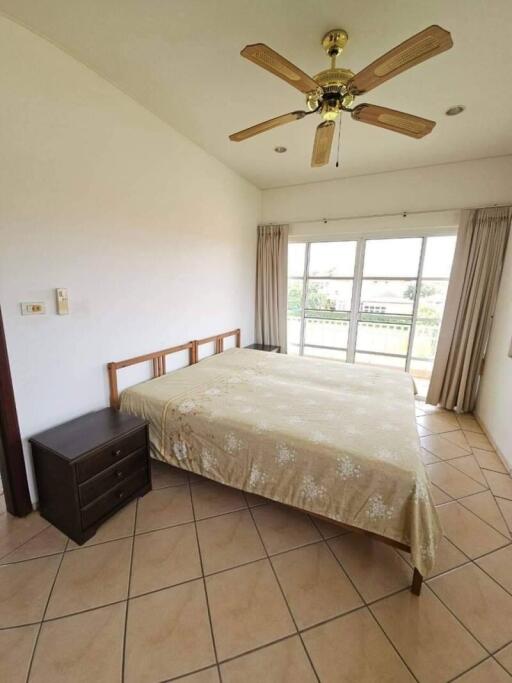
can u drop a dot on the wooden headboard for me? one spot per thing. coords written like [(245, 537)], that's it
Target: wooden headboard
[(158, 358)]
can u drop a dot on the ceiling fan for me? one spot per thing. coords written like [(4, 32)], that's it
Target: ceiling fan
[(334, 90)]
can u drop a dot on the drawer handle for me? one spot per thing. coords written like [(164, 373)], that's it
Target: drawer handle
[(120, 494), (119, 474), (117, 453)]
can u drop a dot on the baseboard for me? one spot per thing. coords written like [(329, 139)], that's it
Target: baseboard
[(506, 464)]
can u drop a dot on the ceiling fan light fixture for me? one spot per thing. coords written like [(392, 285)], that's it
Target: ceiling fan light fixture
[(457, 109), (330, 110)]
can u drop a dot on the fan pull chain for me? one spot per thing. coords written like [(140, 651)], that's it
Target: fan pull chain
[(338, 151)]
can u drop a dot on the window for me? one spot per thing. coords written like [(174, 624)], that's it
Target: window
[(376, 301)]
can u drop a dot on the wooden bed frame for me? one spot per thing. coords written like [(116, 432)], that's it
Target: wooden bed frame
[(158, 359)]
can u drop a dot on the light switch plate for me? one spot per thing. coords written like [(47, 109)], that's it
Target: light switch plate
[(62, 301), (33, 308)]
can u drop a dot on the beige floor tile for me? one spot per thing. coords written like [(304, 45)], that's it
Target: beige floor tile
[(484, 505), (468, 532), (315, 586), (457, 438), (163, 508), (14, 531), (486, 672), (229, 540), (163, 558), (163, 474), (284, 529), (439, 497), (212, 499), (448, 557), (119, 526), (168, 634), (438, 423), (90, 648), (430, 639), (441, 448), (422, 431), (328, 529), (24, 590), (50, 541), (489, 460), (504, 657), (253, 500), (478, 441), (247, 608), (353, 648), (210, 675), (499, 565), (506, 510), (375, 568), (283, 662), (479, 602), (500, 484), (16, 645), (91, 577), (469, 423), (469, 465), (195, 479), (427, 457), (451, 480)]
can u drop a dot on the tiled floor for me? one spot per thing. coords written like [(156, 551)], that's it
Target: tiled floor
[(201, 583)]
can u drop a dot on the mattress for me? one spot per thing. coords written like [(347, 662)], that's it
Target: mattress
[(334, 439)]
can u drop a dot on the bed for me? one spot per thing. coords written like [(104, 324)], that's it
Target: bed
[(336, 440)]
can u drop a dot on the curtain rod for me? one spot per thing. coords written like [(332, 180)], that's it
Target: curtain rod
[(403, 214)]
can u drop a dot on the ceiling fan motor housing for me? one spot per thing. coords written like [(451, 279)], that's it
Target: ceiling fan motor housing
[(332, 96)]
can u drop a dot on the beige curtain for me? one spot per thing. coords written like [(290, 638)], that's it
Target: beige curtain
[(470, 302), (271, 285)]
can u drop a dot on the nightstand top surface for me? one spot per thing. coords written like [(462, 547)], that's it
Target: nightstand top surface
[(263, 347), (87, 432)]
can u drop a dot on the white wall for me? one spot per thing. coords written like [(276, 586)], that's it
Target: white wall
[(155, 239), (448, 186), (494, 407)]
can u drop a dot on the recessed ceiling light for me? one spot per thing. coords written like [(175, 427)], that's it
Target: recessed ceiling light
[(453, 111), (280, 150)]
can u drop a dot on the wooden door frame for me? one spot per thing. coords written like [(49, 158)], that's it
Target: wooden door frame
[(12, 462)]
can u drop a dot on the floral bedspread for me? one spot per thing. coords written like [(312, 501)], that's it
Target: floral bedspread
[(334, 439)]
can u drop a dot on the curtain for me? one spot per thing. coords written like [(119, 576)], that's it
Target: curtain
[(271, 285), (470, 302)]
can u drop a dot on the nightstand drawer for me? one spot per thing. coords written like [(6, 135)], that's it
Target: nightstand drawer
[(110, 500), (96, 462), (112, 476)]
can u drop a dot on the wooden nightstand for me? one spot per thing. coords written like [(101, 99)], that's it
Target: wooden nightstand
[(89, 468), (264, 347)]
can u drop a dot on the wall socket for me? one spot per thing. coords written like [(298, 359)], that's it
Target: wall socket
[(33, 308)]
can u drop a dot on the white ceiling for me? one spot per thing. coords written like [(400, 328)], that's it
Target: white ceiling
[(180, 59)]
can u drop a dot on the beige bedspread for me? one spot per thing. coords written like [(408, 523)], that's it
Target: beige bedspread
[(331, 438)]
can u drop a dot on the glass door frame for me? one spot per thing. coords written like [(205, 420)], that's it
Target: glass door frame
[(357, 287)]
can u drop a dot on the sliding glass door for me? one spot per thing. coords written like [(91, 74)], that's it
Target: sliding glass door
[(376, 301)]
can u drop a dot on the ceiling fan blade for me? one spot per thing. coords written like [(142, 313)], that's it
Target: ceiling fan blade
[(428, 43), (397, 121), (264, 56), (322, 144), (266, 125)]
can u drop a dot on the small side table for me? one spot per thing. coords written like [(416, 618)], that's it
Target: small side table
[(264, 347), (89, 468)]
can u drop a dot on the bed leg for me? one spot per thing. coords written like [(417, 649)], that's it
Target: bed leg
[(417, 580)]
